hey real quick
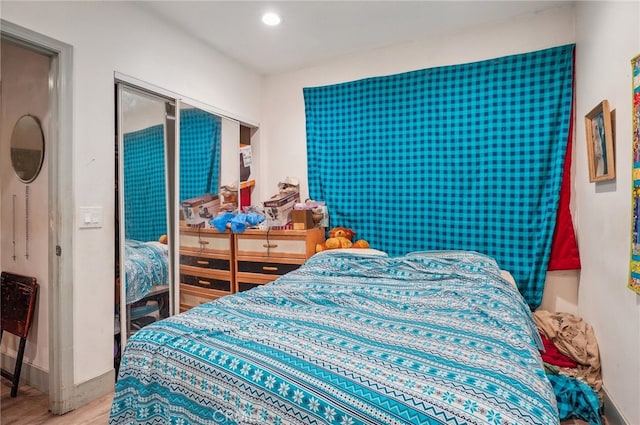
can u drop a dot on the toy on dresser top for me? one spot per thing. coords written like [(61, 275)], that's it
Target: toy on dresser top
[(341, 237)]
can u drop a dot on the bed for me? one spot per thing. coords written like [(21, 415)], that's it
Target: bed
[(146, 268), (348, 338)]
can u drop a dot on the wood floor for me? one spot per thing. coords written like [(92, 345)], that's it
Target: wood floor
[(30, 407)]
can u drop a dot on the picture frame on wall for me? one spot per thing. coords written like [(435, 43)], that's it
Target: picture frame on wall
[(600, 143)]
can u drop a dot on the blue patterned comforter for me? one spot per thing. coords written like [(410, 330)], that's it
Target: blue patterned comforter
[(146, 265), (427, 338)]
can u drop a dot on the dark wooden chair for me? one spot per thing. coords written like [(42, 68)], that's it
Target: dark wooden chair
[(19, 295)]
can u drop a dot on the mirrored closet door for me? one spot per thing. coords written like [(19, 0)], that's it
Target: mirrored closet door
[(171, 152), (146, 135), (200, 142), (208, 173)]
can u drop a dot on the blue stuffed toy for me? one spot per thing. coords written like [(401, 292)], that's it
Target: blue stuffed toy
[(221, 220), (237, 222)]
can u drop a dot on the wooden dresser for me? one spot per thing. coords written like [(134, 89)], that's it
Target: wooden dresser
[(206, 265), (261, 256), (214, 264)]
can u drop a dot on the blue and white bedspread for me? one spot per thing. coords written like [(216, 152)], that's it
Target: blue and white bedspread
[(427, 338), (146, 265)]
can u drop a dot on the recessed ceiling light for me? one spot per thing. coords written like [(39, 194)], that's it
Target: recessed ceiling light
[(271, 19)]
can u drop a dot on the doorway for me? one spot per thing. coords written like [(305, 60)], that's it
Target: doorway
[(25, 97), (25, 202)]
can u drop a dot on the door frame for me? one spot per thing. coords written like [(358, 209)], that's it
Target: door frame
[(60, 206)]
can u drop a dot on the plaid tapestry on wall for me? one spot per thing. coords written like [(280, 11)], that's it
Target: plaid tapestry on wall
[(456, 157), (199, 153), (144, 170), (145, 205)]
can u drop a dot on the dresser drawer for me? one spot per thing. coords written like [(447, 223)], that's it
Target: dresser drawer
[(205, 241), (253, 273), (246, 286), (292, 244), (206, 282), (271, 247), (264, 267), (262, 256), (192, 296), (246, 281), (205, 262)]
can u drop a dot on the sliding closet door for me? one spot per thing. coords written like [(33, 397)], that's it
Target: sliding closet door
[(145, 198), (205, 257)]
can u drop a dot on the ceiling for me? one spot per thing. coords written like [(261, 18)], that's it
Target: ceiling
[(314, 31)]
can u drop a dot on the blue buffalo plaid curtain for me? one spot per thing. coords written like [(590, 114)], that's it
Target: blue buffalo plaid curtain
[(144, 170), (145, 184), (199, 153), (457, 157)]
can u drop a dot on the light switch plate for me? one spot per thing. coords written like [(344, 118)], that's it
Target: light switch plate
[(90, 217)]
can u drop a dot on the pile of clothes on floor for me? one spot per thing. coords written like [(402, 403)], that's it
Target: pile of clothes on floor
[(572, 363)]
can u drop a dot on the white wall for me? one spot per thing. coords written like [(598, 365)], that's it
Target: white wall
[(608, 36), (108, 37)]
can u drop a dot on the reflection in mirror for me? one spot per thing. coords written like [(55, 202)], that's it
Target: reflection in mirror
[(199, 153), (145, 271), (27, 148), (229, 171), (200, 139)]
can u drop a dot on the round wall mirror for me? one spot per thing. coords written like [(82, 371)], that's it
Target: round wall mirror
[(27, 148)]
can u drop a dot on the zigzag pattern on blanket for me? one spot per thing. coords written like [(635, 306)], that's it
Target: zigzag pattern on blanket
[(352, 340)]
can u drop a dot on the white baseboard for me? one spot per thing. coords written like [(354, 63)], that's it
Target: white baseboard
[(39, 379), (611, 411), (93, 389), (29, 375)]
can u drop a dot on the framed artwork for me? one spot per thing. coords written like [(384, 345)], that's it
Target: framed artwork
[(634, 273), (600, 143)]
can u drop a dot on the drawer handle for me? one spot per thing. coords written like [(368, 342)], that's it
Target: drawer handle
[(201, 242), (204, 282), (270, 245), (269, 269), (203, 262)]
